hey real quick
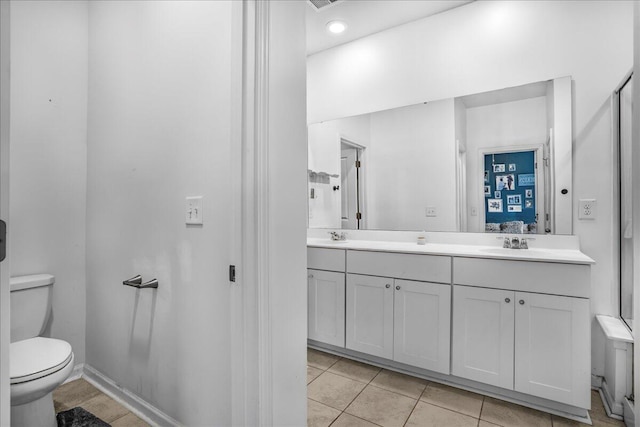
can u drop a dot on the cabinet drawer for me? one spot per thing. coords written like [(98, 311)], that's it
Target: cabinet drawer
[(542, 277), (326, 259), (426, 268)]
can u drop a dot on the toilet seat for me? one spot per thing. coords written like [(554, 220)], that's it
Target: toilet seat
[(37, 357)]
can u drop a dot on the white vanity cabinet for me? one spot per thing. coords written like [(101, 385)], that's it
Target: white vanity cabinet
[(532, 343), (326, 306), (422, 324), (515, 326), (388, 316), (369, 317), (483, 333), (326, 295)]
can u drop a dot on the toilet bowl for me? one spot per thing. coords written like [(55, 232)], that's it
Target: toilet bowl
[(37, 364)]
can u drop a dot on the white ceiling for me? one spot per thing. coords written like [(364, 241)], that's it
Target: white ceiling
[(366, 17)]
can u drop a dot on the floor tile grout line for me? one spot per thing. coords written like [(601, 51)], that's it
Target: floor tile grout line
[(414, 408), (481, 408)]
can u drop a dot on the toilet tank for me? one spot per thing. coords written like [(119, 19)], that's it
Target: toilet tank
[(30, 305)]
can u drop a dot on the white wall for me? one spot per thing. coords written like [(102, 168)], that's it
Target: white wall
[(160, 100), (49, 43), (485, 46), (406, 150), (516, 123), (411, 167)]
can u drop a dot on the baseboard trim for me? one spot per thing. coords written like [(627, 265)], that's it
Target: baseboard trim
[(143, 409), (596, 381), (76, 373), (605, 397), (613, 408), (629, 413)]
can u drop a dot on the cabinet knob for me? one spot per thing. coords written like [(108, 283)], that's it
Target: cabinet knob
[(387, 286), (507, 300), (310, 276), (398, 288), (521, 302)]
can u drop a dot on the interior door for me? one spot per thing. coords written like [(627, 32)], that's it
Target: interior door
[(349, 187)]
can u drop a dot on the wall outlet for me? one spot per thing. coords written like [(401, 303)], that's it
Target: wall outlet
[(588, 209), (194, 210), (430, 211)]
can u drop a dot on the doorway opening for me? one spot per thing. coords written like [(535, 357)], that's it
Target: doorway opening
[(514, 190)]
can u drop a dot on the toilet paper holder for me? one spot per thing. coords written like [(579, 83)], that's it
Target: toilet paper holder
[(136, 282)]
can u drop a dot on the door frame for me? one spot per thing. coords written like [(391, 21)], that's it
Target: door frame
[(5, 315), (265, 389), (540, 190)]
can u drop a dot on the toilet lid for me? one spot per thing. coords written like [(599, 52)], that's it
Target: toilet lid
[(37, 357)]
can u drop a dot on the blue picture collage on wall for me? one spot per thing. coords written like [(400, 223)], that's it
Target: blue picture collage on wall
[(509, 187)]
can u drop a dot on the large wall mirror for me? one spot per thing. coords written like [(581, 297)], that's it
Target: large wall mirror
[(497, 161)]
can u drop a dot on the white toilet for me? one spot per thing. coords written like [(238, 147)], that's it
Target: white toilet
[(38, 364)]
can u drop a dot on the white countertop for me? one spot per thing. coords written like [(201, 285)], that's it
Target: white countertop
[(565, 256)]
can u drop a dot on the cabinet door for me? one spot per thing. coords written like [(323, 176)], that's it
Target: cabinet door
[(553, 348), (370, 315), (422, 313), (483, 328), (326, 307)]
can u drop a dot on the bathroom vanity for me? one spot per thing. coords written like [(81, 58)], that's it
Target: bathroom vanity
[(461, 310)]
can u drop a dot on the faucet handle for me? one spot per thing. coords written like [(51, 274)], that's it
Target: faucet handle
[(524, 244), (506, 243)]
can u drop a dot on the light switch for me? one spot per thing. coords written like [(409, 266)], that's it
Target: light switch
[(194, 210)]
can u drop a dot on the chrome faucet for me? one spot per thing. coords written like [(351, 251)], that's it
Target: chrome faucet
[(515, 243), (338, 236)]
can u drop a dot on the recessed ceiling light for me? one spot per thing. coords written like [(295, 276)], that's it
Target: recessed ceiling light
[(336, 27)]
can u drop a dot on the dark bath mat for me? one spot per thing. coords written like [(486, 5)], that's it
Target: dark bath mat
[(78, 417)]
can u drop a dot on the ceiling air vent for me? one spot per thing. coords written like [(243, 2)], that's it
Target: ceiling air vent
[(321, 4)]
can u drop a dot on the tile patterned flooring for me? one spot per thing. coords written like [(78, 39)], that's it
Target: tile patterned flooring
[(83, 394), (344, 393)]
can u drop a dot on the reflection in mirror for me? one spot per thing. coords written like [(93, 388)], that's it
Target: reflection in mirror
[(478, 163)]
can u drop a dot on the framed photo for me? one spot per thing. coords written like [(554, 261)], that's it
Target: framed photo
[(498, 168), (497, 194), (514, 199), (505, 182), (512, 167), (526, 179), (528, 193), (486, 177), (528, 204), (487, 190), (494, 205), (514, 208)]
